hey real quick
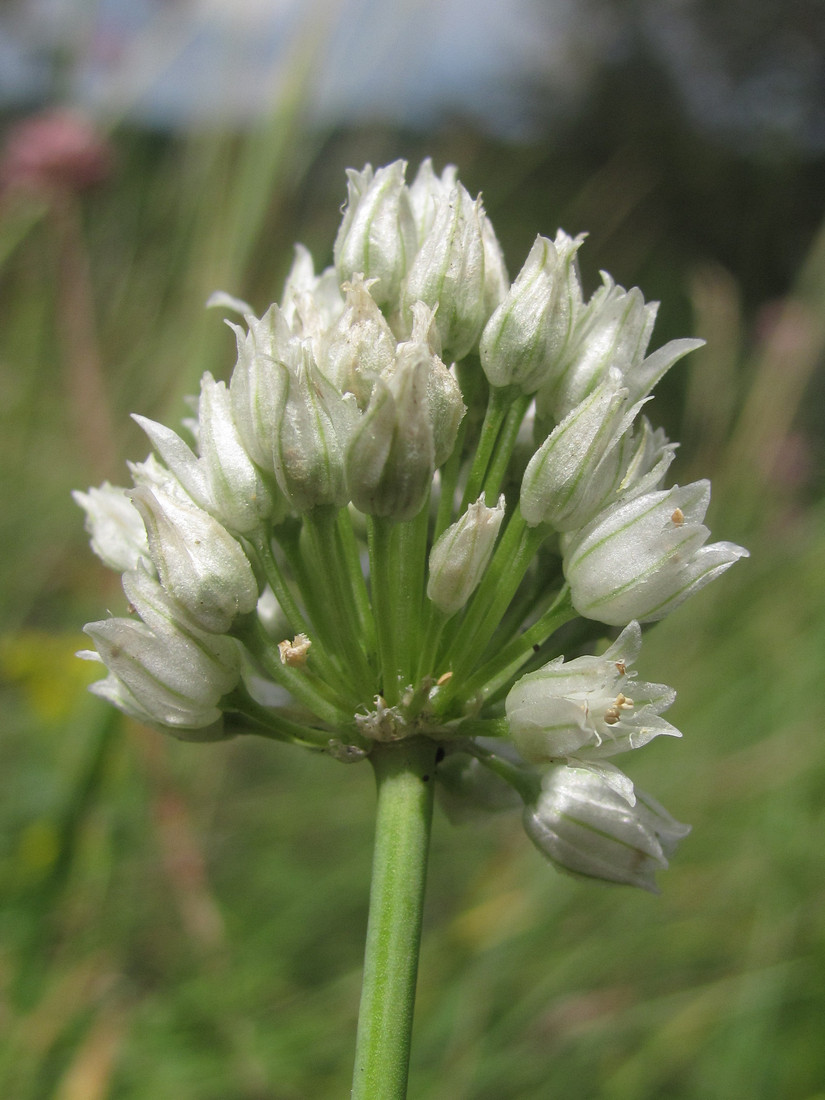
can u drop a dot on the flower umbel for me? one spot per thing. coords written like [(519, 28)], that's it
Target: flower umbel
[(341, 558)]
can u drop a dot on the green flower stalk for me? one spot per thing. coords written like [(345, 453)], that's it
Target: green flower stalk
[(342, 559)]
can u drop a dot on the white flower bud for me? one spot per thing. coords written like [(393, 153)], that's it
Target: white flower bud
[(427, 193), (163, 670), (377, 237), (199, 563), (311, 437), (257, 386), (525, 339), (118, 536), (448, 272), (223, 481), (446, 407), (462, 553), (359, 346), (237, 494), (613, 331), (589, 708), (310, 303), (391, 458), (570, 477), (585, 827), (641, 558), (166, 619)]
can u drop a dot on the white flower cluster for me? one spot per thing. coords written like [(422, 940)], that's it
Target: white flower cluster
[(344, 554)]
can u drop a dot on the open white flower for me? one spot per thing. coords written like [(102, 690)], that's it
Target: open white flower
[(642, 558), (588, 708)]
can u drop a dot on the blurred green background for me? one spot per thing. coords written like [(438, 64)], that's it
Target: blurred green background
[(188, 920)]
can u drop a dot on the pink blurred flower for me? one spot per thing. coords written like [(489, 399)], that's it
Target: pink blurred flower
[(58, 150)]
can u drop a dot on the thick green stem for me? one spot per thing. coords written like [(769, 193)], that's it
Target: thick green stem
[(404, 774)]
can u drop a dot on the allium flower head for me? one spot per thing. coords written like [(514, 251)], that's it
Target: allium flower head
[(339, 555)]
